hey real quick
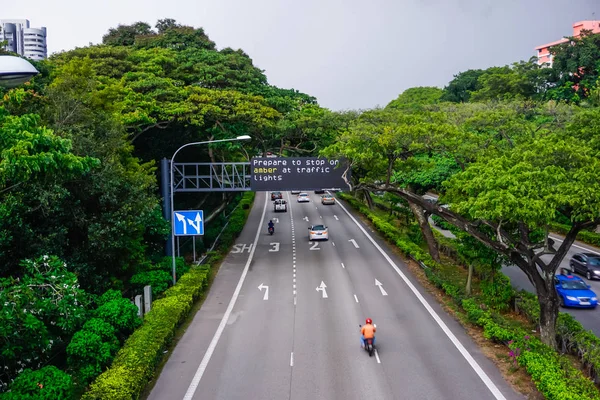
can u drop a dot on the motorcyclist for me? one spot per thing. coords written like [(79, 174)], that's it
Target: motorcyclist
[(367, 331), (271, 225)]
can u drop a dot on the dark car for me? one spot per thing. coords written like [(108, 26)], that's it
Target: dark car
[(587, 264), (572, 291), (276, 195), (320, 191)]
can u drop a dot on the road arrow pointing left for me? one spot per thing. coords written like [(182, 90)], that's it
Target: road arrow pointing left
[(181, 218), (378, 284), (261, 287)]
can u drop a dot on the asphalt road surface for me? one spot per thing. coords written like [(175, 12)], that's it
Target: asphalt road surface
[(281, 321)]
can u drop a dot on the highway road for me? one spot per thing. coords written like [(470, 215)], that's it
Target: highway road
[(281, 321)]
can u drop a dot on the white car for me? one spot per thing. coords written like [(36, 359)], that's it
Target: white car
[(303, 198), (295, 192), (316, 232), (280, 205)]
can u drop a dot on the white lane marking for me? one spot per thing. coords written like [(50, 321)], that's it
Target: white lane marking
[(343, 266), (320, 216), (354, 243), (356, 298), (574, 245), (336, 218), (261, 287), (213, 344), (305, 218), (292, 359), (459, 346), (294, 300), (294, 279), (383, 292), (377, 357), (333, 243)]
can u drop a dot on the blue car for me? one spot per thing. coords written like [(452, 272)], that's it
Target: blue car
[(572, 291)]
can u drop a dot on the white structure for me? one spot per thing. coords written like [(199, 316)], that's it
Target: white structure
[(15, 71), (23, 40)]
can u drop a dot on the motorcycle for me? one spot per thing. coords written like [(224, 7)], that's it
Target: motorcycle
[(271, 230), (369, 346)]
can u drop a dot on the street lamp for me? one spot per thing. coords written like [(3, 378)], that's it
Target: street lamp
[(15, 71), (242, 137)]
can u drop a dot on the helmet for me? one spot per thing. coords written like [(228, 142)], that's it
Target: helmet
[(369, 321)]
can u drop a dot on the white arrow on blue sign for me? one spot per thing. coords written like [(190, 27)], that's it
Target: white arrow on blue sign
[(189, 223)]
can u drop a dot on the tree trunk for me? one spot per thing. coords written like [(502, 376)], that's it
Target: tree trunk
[(548, 301), (469, 278), (368, 199), (419, 213)]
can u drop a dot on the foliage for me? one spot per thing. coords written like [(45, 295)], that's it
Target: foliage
[(459, 89), (416, 96), (41, 309), (48, 383), (92, 349), (121, 314), (135, 363)]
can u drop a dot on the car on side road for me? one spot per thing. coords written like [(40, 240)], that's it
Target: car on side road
[(295, 191), (327, 199), (303, 198), (318, 232), (572, 291), (276, 195), (587, 264), (280, 205)]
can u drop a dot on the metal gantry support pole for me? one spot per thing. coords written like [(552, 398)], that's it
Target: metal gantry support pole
[(172, 207)]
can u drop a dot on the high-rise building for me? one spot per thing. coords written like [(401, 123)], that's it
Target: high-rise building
[(543, 52), (22, 39)]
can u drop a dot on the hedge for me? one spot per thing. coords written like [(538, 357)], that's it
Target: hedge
[(588, 237), (552, 373), (135, 364)]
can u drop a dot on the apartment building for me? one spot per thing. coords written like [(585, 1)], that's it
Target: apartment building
[(543, 52), (20, 38)]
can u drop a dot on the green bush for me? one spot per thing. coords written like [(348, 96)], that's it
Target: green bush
[(585, 236), (158, 280), (48, 383), (497, 292), (121, 314), (111, 294), (92, 349), (135, 363)]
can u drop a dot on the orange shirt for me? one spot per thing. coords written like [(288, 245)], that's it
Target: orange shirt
[(368, 331)]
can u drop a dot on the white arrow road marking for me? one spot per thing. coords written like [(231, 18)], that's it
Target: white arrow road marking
[(198, 219), (305, 218), (336, 218), (181, 218), (377, 283), (354, 243), (261, 287), (322, 289), (276, 220)]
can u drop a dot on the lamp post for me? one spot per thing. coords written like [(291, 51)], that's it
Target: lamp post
[(15, 71), (243, 137)]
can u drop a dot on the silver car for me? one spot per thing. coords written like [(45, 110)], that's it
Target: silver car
[(303, 198), (318, 232)]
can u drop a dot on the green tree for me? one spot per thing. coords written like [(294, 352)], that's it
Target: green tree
[(459, 89), (41, 310), (575, 67), (125, 35), (416, 96)]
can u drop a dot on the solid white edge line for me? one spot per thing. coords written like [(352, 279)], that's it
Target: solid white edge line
[(377, 357), (463, 351), (574, 245), (213, 344)]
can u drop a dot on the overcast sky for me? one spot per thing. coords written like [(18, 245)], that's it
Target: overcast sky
[(349, 54)]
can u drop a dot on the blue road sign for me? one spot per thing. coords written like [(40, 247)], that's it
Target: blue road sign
[(189, 222)]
